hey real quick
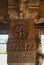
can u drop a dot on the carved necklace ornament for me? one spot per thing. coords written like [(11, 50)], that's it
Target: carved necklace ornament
[(20, 32)]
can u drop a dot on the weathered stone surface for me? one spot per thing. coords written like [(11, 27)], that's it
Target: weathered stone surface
[(22, 57), (21, 63), (27, 46), (22, 52)]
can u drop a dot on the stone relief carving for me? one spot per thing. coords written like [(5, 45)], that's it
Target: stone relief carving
[(21, 32), (21, 45), (34, 1), (22, 57), (21, 8)]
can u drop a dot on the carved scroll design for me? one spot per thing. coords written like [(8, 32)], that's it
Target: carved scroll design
[(21, 32)]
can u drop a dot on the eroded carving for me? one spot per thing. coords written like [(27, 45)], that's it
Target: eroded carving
[(21, 32)]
